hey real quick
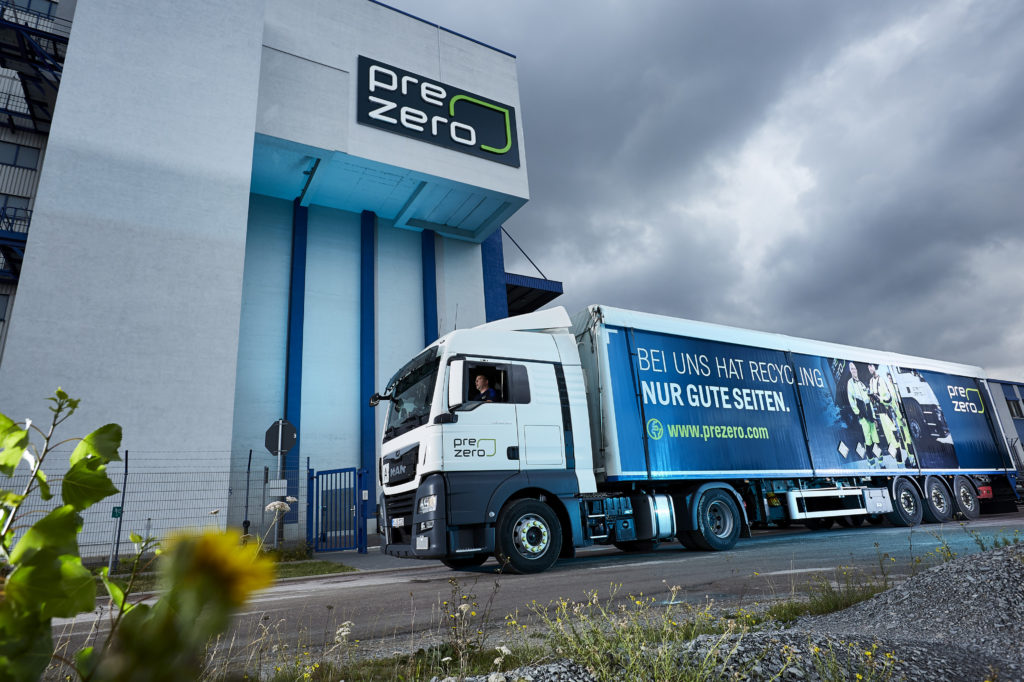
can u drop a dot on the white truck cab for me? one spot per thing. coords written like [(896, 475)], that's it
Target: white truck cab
[(450, 463)]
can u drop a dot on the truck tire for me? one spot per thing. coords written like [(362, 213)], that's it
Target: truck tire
[(528, 537), (687, 538), (718, 521), (965, 498), (938, 502), (906, 504), (461, 563), (634, 546)]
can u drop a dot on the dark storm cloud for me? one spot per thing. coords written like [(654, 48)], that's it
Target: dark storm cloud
[(844, 171)]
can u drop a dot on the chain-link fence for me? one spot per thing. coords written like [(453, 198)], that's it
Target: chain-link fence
[(153, 502)]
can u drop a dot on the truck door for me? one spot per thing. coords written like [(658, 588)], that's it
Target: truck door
[(484, 436), (540, 420)]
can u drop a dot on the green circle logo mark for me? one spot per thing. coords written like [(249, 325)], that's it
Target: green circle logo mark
[(655, 429)]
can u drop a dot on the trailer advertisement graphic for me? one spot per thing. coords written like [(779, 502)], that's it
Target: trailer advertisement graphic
[(695, 400)]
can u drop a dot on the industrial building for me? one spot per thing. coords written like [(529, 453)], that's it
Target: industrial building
[(216, 215)]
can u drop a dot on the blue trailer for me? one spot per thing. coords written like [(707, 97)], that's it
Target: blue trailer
[(633, 429)]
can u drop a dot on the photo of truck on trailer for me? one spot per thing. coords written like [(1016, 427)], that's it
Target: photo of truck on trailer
[(627, 428)]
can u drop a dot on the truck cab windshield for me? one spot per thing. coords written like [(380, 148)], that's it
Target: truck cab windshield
[(411, 389)]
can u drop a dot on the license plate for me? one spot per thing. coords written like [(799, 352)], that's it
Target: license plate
[(422, 542), (398, 523)]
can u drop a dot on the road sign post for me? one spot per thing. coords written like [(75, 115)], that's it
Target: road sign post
[(280, 439)]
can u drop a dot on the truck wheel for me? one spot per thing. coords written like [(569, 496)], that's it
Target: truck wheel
[(938, 503), (461, 563), (528, 537), (687, 538), (965, 499), (638, 545), (718, 521), (876, 519), (906, 504), (823, 523)]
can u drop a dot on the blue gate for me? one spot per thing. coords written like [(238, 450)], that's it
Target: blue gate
[(337, 510)]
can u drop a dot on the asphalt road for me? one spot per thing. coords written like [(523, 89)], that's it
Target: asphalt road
[(401, 605), (404, 605)]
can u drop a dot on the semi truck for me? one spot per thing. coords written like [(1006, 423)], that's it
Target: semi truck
[(530, 437)]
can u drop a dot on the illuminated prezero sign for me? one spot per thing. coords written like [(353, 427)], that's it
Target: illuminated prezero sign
[(408, 104)]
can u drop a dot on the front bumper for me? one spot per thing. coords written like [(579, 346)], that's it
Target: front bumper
[(408, 533)]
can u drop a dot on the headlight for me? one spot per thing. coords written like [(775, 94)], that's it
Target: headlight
[(428, 503)]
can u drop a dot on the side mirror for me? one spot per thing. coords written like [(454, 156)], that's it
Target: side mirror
[(456, 370), (375, 400)]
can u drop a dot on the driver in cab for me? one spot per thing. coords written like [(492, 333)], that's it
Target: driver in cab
[(484, 391)]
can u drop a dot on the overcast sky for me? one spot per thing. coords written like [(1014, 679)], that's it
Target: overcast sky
[(844, 171)]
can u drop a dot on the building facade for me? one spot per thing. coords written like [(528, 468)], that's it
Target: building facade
[(243, 211)]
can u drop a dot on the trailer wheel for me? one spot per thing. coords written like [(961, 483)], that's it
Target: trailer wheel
[(635, 546), (528, 537), (718, 521), (965, 498), (461, 563), (906, 504), (938, 503)]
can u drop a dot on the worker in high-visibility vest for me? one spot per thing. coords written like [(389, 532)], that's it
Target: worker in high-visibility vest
[(894, 426), (860, 403)]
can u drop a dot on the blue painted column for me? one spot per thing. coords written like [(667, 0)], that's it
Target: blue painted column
[(293, 371), (367, 350), (429, 253), (367, 372), (492, 256)]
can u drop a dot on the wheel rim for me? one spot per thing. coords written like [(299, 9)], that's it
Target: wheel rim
[(907, 502), (915, 429), (720, 521), (530, 536), (939, 499), (966, 498)]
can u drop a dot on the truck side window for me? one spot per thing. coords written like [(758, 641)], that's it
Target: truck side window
[(509, 383)]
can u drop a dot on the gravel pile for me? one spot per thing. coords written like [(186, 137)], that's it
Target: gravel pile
[(962, 620)]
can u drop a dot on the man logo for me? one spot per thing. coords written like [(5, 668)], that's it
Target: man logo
[(654, 429)]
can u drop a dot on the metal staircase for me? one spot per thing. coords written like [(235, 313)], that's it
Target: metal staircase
[(33, 45)]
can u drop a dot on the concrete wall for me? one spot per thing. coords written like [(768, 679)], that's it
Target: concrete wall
[(132, 283)]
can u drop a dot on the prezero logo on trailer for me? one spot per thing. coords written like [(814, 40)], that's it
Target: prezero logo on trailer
[(408, 104)]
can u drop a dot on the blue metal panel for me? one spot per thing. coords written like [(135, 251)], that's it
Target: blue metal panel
[(296, 316), (367, 378), (429, 287), (492, 256)]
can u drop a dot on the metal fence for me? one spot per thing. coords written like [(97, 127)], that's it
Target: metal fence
[(154, 502)]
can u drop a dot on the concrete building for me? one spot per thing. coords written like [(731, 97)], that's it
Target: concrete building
[(242, 211)]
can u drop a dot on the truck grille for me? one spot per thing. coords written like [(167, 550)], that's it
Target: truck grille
[(400, 506)]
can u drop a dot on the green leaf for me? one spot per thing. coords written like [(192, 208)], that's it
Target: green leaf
[(86, 483), (77, 590), (135, 537), (26, 644), (102, 443), (56, 531), (61, 395), (10, 498), (85, 662), (44, 487), (116, 593), (13, 441), (53, 586)]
